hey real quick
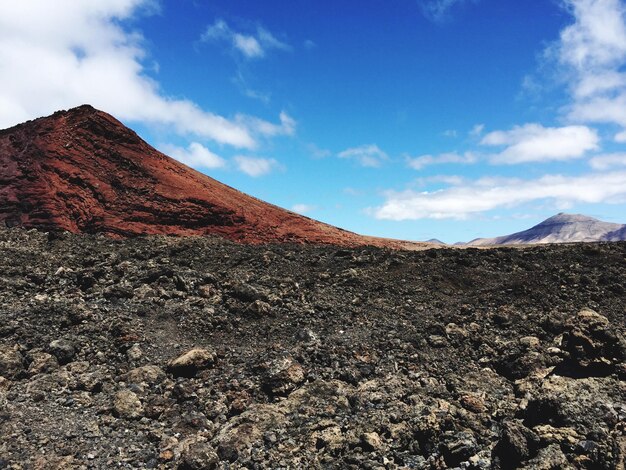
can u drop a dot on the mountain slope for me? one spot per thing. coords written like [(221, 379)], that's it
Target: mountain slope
[(85, 172), (561, 228)]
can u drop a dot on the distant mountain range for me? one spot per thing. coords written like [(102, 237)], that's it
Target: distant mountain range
[(561, 228)]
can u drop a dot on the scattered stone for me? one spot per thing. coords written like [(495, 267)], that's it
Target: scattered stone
[(149, 375), (530, 342), (549, 458), (473, 403), (188, 364), (260, 308), (517, 444), (454, 330), (5, 385), (459, 448), (329, 438), (127, 405), (42, 362), (283, 376), (134, 353), (248, 293), (63, 350), (306, 336), (197, 455), (437, 341), (242, 432), (594, 346), (11, 362), (371, 441)]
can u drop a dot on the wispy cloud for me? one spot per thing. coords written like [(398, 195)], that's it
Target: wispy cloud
[(256, 166), (439, 10), (265, 128), (302, 208), (477, 130), (474, 198), (195, 155), (535, 143), (317, 152), (83, 52), (448, 180), (620, 137), (253, 45), (246, 90), (418, 163), (607, 161), (353, 192), (366, 155)]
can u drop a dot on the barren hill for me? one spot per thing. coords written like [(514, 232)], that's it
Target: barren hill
[(85, 172), (561, 228)]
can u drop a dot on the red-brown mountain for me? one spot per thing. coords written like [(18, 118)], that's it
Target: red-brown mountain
[(85, 172)]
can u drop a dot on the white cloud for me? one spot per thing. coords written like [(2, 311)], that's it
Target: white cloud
[(463, 201), (592, 53), (607, 161), (607, 109), (418, 163), (195, 155), (256, 166), (302, 208), (451, 133), (597, 39), (251, 46), (366, 155), (56, 55), (535, 143)]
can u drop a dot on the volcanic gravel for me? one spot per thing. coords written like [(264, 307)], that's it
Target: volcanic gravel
[(193, 353)]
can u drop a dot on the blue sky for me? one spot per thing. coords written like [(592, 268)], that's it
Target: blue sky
[(448, 119)]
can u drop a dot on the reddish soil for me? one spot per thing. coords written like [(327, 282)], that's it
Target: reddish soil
[(85, 172)]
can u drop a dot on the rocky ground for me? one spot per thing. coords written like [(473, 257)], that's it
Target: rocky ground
[(200, 353)]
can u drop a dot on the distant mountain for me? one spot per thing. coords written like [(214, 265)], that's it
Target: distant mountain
[(85, 172), (561, 228)]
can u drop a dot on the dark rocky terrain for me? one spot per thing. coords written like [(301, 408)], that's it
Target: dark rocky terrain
[(560, 228), (192, 353)]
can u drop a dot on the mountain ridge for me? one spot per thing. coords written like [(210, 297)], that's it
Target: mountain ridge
[(83, 171), (560, 228)]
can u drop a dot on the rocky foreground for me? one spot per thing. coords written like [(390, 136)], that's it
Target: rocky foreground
[(198, 353)]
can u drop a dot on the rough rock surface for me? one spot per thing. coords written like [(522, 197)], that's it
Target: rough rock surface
[(364, 358), (85, 172)]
